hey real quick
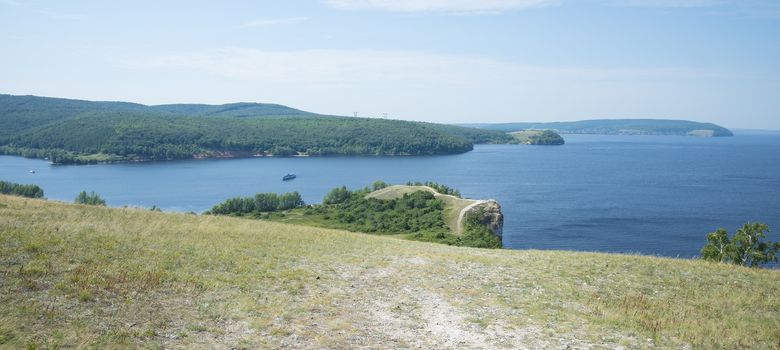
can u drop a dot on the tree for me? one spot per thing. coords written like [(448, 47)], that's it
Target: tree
[(744, 248), (337, 195), (91, 198), (718, 247), (378, 185), (290, 200), (265, 202)]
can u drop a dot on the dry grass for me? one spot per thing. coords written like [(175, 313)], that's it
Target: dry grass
[(77, 276)]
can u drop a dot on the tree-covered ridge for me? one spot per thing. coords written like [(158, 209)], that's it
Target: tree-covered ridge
[(142, 137), (22, 112), (618, 126), (475, 135), (71, 131), (241, 110)]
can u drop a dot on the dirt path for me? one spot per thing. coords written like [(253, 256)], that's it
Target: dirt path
[(463, 212), (458, 207), (423, 315)]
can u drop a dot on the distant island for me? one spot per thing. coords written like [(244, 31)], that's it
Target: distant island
[(617, 127), (67, 131)]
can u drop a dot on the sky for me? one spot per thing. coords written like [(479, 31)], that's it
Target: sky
[(453, 61)]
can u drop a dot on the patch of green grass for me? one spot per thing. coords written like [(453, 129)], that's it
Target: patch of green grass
[(128, 278), (538, 137), (99, 158)]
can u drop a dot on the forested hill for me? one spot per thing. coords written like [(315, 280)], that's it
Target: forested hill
[(241, 109), (618, 127), (74, 131), (22, 112)]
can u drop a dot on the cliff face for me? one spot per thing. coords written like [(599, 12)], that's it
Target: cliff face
[(490, 215)]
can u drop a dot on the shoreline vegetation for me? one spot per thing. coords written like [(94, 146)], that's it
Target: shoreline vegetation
[(427, 212), (90, 276), (65, 131)]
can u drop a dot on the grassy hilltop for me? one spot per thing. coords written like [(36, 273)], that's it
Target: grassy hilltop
[(538, 137), (81, 276)]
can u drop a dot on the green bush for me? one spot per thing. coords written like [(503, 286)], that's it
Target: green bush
[(14, 189), (337, 195), (260, 203), (90, 198), (378, 185)]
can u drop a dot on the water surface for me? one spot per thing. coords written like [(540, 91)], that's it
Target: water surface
[(648, 194)]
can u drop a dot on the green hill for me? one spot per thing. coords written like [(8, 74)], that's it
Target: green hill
[(22, 112), (243, 109), (475, 135), (75, 131), (618, 126), (91, 277), (415, 212)]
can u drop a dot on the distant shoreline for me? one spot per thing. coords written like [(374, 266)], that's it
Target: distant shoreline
[(659, 127)]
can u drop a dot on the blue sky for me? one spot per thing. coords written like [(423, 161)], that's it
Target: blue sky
[(432, 60)]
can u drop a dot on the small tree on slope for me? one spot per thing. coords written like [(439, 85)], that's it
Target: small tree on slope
[(745, 248)]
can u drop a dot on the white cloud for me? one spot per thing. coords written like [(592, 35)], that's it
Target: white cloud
[(751, 8), (448, 6), (761, 9), (264, 22), (47, 12), (669, 3), (428, 86), (373, 67)]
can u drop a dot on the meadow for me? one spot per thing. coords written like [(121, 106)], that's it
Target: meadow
[(75, 276)]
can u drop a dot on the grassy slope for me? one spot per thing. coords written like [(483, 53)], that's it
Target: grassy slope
[(453, 205), (524, 136), (77, 276)]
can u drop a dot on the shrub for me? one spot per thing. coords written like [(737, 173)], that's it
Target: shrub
[(260, 203), (14, 189), (90, 198), (337, 195), (378, 185)]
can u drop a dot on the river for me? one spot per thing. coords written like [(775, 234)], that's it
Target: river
[(656, 195)]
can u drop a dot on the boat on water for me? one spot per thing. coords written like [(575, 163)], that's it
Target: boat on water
[(288, 177), (32, 171)]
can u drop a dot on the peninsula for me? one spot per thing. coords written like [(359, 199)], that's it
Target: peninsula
[(75, 131), (617, 127), (428, 212)]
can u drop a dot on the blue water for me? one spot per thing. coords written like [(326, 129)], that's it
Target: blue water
[(648, 194)]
